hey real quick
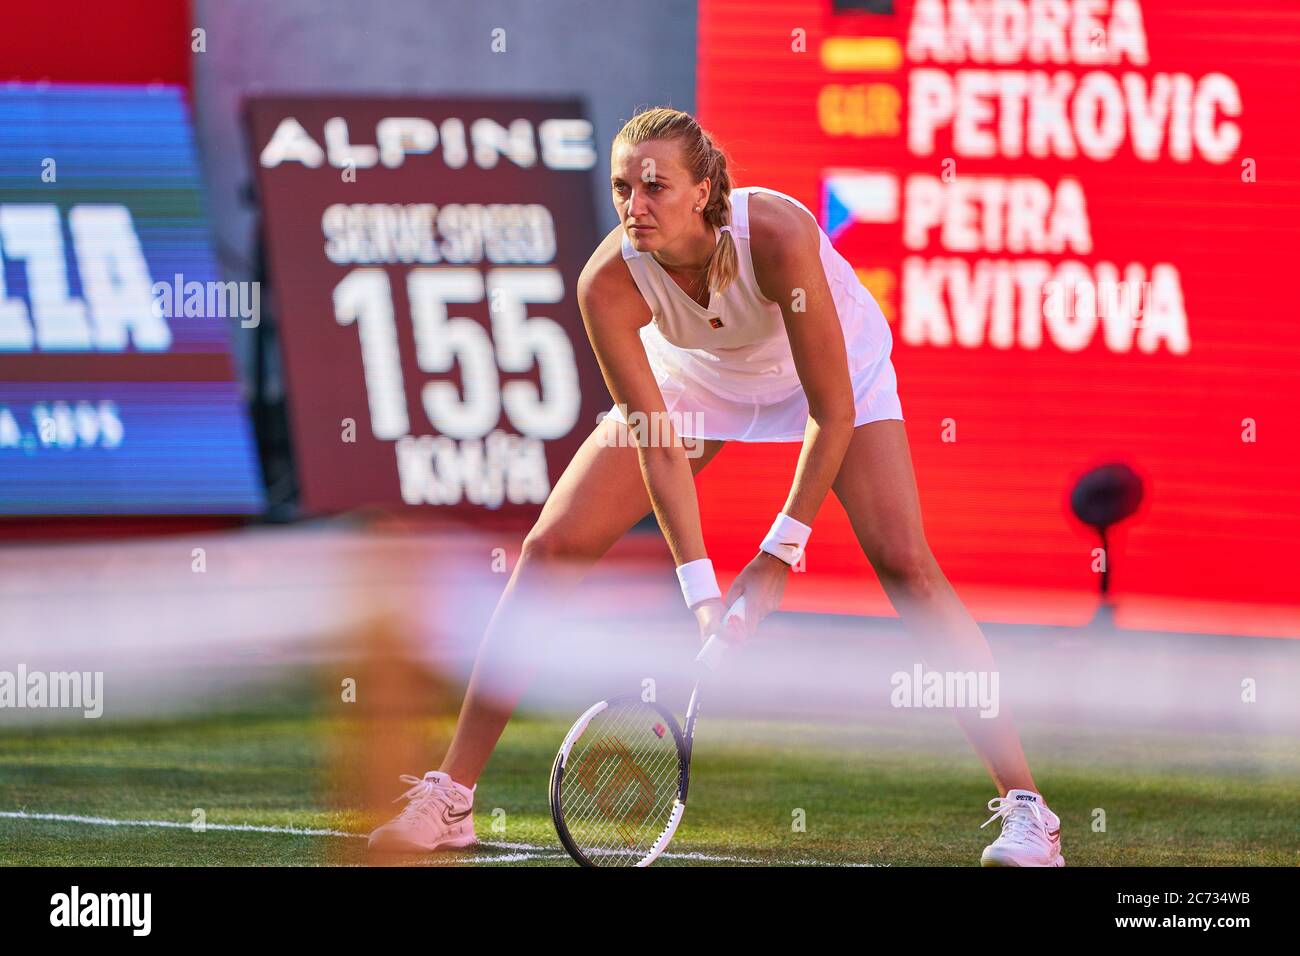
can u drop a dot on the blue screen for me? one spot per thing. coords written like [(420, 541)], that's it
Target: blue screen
[(118, 392)]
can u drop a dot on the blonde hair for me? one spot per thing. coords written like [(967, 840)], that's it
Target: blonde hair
[(704, 160)]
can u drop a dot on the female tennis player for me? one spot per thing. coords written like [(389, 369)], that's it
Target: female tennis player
[(731, 305)]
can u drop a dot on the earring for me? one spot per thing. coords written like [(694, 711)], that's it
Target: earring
[(697, 208)]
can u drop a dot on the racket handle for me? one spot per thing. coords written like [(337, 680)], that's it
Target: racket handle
[(711, 654), (736, 610)]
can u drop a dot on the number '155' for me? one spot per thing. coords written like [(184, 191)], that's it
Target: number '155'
[(517, 341)]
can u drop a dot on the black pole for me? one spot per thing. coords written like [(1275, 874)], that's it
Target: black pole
[(1105, 564)]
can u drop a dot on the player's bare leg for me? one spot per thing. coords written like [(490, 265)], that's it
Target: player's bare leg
[(600, 496), (877, 487)]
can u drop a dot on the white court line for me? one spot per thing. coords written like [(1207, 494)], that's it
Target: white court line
[(435, 864), (503, 858), (171, 824), (523, 851)]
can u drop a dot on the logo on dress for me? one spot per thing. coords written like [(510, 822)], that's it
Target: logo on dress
[(716, 323)]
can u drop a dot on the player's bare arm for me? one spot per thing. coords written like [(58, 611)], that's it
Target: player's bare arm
[(613, 312), (784, 247)]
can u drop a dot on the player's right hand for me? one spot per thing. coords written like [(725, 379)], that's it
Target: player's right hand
[(710, 617)]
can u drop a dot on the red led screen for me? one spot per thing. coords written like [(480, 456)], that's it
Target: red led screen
[(1081, 219)]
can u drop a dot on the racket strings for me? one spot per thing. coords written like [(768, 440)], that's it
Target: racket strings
[(620, 783), (619, 826), (615, 782), (622, 838)]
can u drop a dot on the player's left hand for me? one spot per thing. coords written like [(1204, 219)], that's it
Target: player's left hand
[(761, 583)]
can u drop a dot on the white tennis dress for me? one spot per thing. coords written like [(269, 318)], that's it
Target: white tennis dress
[(726, 372)]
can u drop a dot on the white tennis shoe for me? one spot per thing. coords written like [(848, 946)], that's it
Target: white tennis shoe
[(1031, 833), (439, 815)]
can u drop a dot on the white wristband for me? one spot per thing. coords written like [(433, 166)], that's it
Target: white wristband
[(786, 539), (698, 581)]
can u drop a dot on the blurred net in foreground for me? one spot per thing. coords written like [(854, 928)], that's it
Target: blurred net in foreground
[(371, 635)]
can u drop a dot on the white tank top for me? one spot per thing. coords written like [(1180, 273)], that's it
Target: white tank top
[(738, 347)]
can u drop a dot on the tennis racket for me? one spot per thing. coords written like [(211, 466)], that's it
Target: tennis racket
[(619, 782)]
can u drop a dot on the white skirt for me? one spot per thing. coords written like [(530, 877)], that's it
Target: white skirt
[(696, 412)]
